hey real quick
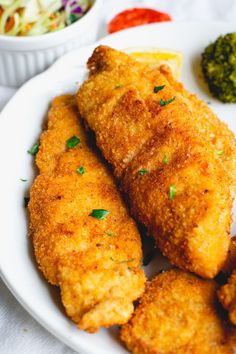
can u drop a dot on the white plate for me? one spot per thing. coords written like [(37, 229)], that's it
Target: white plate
[(20, 126)]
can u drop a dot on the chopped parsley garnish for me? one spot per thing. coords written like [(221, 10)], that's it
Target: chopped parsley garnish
[(23, 180), (158, 88), (99, 213), (165, 159), (143, 172), (80, 170), (119, 86), (128, 261), (35, 148), (220, 152), (164, 103), (72, 142), (172, 191), (110, 234), (26, 201)]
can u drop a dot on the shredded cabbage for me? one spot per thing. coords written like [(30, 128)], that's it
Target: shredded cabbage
[(36, 17)]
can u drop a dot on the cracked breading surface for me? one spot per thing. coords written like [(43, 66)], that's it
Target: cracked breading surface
[(177, 314), (96, 263), (135, 132)]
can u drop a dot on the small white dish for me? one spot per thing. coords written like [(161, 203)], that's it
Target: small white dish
[(20, 126), (24, 57)]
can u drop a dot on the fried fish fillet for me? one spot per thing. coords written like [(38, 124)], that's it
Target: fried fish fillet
[(177, 314), (206, 121), (95, 262), (178, 185)]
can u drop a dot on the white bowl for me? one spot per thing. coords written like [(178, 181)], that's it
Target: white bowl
[(23, 57)]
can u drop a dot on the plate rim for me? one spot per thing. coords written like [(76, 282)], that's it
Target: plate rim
[(3, 272)]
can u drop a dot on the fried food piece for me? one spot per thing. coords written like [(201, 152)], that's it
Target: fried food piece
[(227, 297), (230, 263), (95, 262), (227, 293), (206, 121), (177, 185), (177, 314)]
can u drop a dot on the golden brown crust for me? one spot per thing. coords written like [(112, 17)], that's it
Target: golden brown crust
[(230, 263), (215, 131), (177, 314), (134, 132), (95, 262), (227, 297), (189, 228)]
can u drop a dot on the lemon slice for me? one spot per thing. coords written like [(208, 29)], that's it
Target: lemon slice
[(156, 57)]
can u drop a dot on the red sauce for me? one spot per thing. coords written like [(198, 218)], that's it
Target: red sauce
[(135, 17)]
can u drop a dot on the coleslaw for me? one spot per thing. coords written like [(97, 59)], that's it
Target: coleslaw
[(37, 17)]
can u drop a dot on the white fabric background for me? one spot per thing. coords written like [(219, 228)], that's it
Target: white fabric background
[(19, 333)]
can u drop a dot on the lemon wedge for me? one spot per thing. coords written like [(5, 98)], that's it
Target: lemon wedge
[(156, 57)]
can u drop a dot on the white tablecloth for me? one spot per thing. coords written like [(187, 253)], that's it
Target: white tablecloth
[(19, 333)]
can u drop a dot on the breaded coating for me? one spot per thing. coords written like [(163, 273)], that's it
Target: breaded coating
[(95, 262), (178, 185), (206, 121), (178, 314), (227, 297), (230, 263)]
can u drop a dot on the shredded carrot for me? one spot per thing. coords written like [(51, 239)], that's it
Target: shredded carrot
[(10, 23), (1, 11), (27, 27), (53, 25)]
